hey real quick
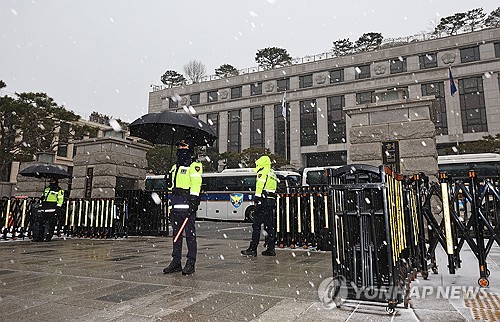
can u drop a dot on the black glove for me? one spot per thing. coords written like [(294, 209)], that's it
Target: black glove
[(168, 179), (257, 200), (194, 202)]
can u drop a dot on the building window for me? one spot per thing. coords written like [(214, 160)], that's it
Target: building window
[(437, 90), (283, 84), (173, 102), (257, 127), (428, 60), (279, 131), (308, 121), (305, 81), (497, 50), (256, 89), (233, 131), (336, 119), (398, 65), (194, 99), (472, 105), (236, 92), (469, 54), (212, 96), (362, 71), (326, 158), (62, 146), (336, 76), (213, 121), (365, 97)]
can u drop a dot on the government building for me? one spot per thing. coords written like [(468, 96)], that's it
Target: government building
[(246, 110)]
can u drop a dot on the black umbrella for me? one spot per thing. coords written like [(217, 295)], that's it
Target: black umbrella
[(168, 127), (46, 171)]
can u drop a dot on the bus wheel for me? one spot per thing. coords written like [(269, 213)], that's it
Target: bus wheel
[(249, 213)]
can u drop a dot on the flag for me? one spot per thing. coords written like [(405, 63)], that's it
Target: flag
[(283, 106), (453, 88)]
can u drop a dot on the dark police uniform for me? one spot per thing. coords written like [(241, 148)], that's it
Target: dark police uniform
[(265, 204), (185, 186), (52, 201)]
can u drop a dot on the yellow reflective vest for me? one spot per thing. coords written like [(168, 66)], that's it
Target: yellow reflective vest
[(50, 195), (266, 181), (187, 178)]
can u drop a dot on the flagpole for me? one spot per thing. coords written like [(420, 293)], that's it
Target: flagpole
[(284, 113), (286, 141)]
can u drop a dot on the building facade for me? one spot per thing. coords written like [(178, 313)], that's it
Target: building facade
[(247, 110)]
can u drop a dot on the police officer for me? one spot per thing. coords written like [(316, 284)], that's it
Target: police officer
[(265, 203), (185, 184), (52, 199)]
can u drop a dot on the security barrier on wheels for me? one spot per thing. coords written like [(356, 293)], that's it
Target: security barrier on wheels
[(467, 202), (370, 240)]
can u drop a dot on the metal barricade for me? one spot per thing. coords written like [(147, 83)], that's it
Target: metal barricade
[(370, 252)]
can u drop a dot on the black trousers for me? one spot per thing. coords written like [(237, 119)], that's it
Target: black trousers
[(264, 214), (177, 217)]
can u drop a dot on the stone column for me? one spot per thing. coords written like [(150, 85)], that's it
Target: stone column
[(405, 121), (107, 159), (269, 127)]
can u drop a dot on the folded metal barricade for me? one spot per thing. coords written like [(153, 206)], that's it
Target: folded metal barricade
[(370, 235), (471, 201)]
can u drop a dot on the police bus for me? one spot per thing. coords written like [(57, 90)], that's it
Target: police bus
[(228, 195), (486, 165)]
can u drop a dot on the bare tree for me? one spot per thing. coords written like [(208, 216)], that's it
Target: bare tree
[(195, 70)]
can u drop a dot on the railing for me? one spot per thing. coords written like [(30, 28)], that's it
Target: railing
[(131, 213)]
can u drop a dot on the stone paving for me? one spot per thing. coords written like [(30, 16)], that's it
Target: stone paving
[(122, 280)]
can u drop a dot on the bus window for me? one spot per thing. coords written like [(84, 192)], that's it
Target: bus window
[(155, 183), (486, 165), (315, 176)]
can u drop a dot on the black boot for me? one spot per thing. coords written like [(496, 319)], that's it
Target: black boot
[(173, 267), (189, 268), (251, 251), (269, 252)]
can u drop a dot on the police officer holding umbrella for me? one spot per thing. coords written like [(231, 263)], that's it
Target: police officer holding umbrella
[(52, 201), (184, 181), (265, 203)]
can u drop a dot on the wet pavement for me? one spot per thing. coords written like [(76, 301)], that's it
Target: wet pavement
[(121, 280)]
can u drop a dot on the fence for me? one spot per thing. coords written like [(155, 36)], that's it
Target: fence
[(132, 212)]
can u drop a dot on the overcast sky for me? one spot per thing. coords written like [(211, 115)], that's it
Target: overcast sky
[(103, 55)]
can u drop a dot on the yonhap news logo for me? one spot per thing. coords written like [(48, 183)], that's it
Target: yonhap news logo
[(333, 291)]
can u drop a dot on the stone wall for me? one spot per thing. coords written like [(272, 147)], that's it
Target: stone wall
[(108, 158), (406, 121)]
